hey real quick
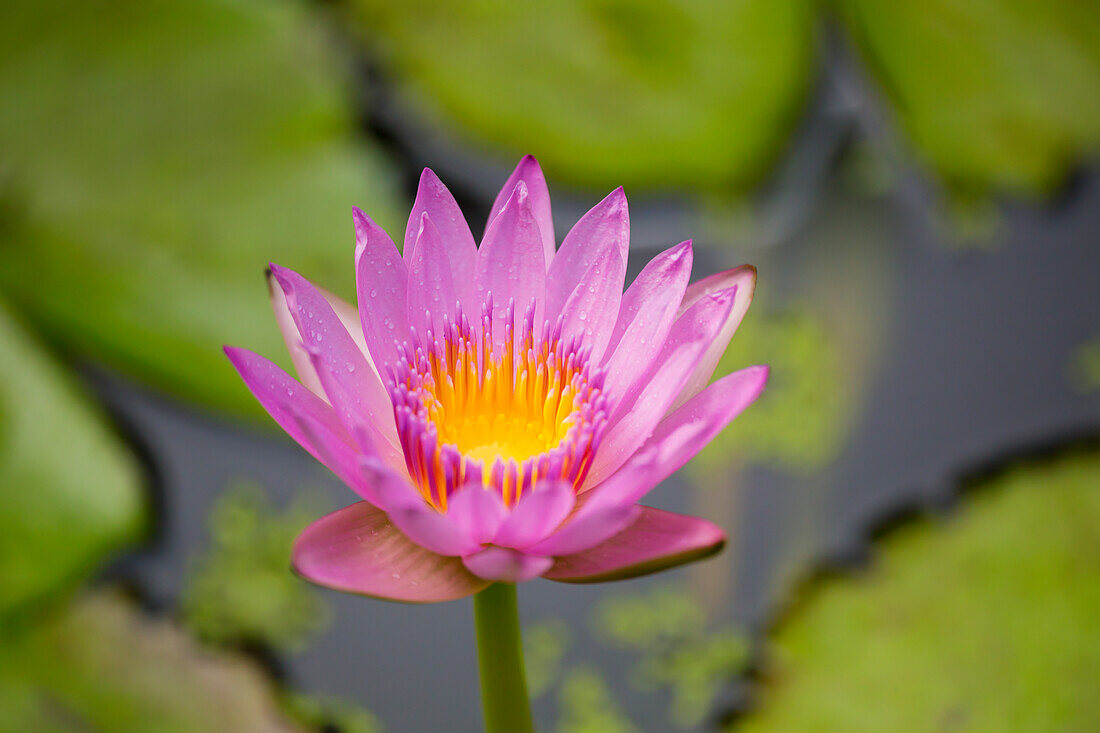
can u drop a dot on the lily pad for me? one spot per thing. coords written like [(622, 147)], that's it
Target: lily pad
[(993, 93), (984, 621), (101, 664), (154, 157), (607, 92), (70, 491)]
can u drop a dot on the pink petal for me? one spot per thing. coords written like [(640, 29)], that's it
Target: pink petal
[(511, 263), (285, 400), (298, 354), (536, 514), (649, 400), (655, 541), (433, 199), (648, 309), (381, 281), (433, 292), (477, 512), (530, 173), (590, 525), (358, 550), (419, 521), (741, 281), (682, 434), (350, 382), (502, 565), (585, 279)]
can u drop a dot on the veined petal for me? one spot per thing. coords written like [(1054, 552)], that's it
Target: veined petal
[(433, 199), (381, 281), (590, 525), (298, 355), (403, 504), (682, 434), (589, 270), (649, 400), (656, 540), (433, 292), (477, 512), (536, 515), (742, 282), (530, 173), (648, 309), (357, 549), (511, 263), (350, 382), (502, 565), (285, 399)]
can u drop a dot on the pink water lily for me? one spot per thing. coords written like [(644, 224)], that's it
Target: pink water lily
[(501, 409)]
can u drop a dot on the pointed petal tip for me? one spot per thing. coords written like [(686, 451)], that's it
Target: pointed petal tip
[(658, 541), (429, 177)]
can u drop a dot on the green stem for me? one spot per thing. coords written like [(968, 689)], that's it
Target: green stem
[(500, 659)]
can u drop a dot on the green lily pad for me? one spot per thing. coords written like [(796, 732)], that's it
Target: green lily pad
[(607, 92), (993, 93), (70, 491), (154, 157), (983, 621), (103, 665)]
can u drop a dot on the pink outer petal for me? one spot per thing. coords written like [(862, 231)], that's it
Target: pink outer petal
[(358, 550), (742, 281), (286, 401), (530, 173), (298, 354), (655, 541), (536, 515), (511, 263), (404, 505), (648, 309), (683, 434), (477, 512), (649, 400), (350, 382), (433, 291), (381, 280), (585, 279), (503, 565)]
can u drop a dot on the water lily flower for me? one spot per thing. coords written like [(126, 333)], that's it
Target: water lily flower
[(502, 408)]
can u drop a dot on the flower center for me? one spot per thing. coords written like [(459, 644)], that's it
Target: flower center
[(504, 412)]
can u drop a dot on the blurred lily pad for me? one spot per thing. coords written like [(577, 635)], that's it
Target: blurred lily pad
[(993, 93), (70, 492), (987, 621), (103, 665), (607, 92), (154, 157)]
